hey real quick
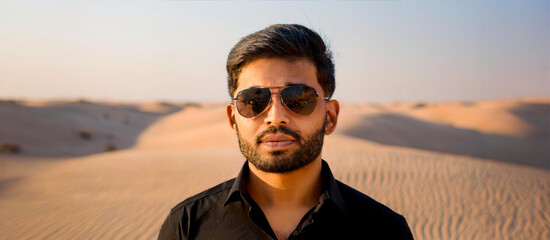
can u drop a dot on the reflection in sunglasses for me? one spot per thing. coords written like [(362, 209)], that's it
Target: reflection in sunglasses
[(300, 99)]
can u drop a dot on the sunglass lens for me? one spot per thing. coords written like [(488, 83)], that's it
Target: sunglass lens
[(300, 99), (253, 101)]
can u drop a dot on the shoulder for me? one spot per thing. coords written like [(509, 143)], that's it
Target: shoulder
[(184, 214), (358, 201), (214, 194), (365, 210)]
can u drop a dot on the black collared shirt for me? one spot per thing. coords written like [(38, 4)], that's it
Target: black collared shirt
[(227, 212)]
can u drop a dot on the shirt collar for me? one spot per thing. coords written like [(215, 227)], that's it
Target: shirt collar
[(238, 189), (331, 191)]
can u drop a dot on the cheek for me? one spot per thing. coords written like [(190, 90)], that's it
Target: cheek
[(320, 113), (321, 118), (310, 125), (244, 128)]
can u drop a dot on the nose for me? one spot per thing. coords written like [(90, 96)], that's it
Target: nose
[(277, 114)]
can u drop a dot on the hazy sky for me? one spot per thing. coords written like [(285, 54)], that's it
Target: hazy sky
[(176, 50)]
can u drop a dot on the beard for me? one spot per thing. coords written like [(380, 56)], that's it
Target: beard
[(286, 160)]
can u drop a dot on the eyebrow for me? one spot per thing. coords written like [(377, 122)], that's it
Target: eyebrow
[(294, 84), (287, 84)]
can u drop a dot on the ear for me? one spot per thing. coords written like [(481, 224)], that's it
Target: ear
[(230, 110), (333, 109)]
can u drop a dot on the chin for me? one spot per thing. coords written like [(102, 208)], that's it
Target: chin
[(277, 153)]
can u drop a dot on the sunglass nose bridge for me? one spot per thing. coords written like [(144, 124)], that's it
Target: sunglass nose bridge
[(271, 101)]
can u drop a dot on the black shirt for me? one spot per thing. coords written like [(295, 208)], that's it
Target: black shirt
[(226, 211)]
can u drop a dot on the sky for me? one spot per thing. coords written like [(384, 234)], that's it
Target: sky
[(384, 51)]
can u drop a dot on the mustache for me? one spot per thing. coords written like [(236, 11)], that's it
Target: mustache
[(279, 129)]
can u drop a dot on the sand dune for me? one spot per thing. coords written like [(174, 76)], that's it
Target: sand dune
[(62, 128), (126, 194)]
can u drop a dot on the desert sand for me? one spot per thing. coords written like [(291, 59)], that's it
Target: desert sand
[(455, 170)]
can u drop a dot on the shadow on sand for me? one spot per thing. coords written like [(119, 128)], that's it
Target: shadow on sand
[(7, 184), (395, 129)]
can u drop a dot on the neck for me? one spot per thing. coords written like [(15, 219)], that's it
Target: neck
[(300, 187)]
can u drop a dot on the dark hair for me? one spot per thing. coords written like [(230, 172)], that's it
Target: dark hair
[(289, 41)]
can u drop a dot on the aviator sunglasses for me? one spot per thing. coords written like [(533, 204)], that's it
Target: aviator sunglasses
[(298, 98)]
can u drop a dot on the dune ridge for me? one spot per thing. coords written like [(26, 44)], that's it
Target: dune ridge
[(68, 128), (510, 131)]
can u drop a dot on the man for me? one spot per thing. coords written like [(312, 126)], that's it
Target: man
[(281, 80)]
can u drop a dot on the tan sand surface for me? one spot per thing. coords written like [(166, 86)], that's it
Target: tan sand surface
[(127, 194)]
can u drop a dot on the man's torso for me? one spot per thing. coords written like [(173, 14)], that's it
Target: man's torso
[(224, 213)]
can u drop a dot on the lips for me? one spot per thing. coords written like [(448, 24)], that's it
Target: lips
[(277, 141), (277, 138)]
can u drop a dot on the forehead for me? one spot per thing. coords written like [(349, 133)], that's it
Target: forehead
[(276, 72)]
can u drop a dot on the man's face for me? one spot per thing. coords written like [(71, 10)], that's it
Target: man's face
[(279, 140)]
